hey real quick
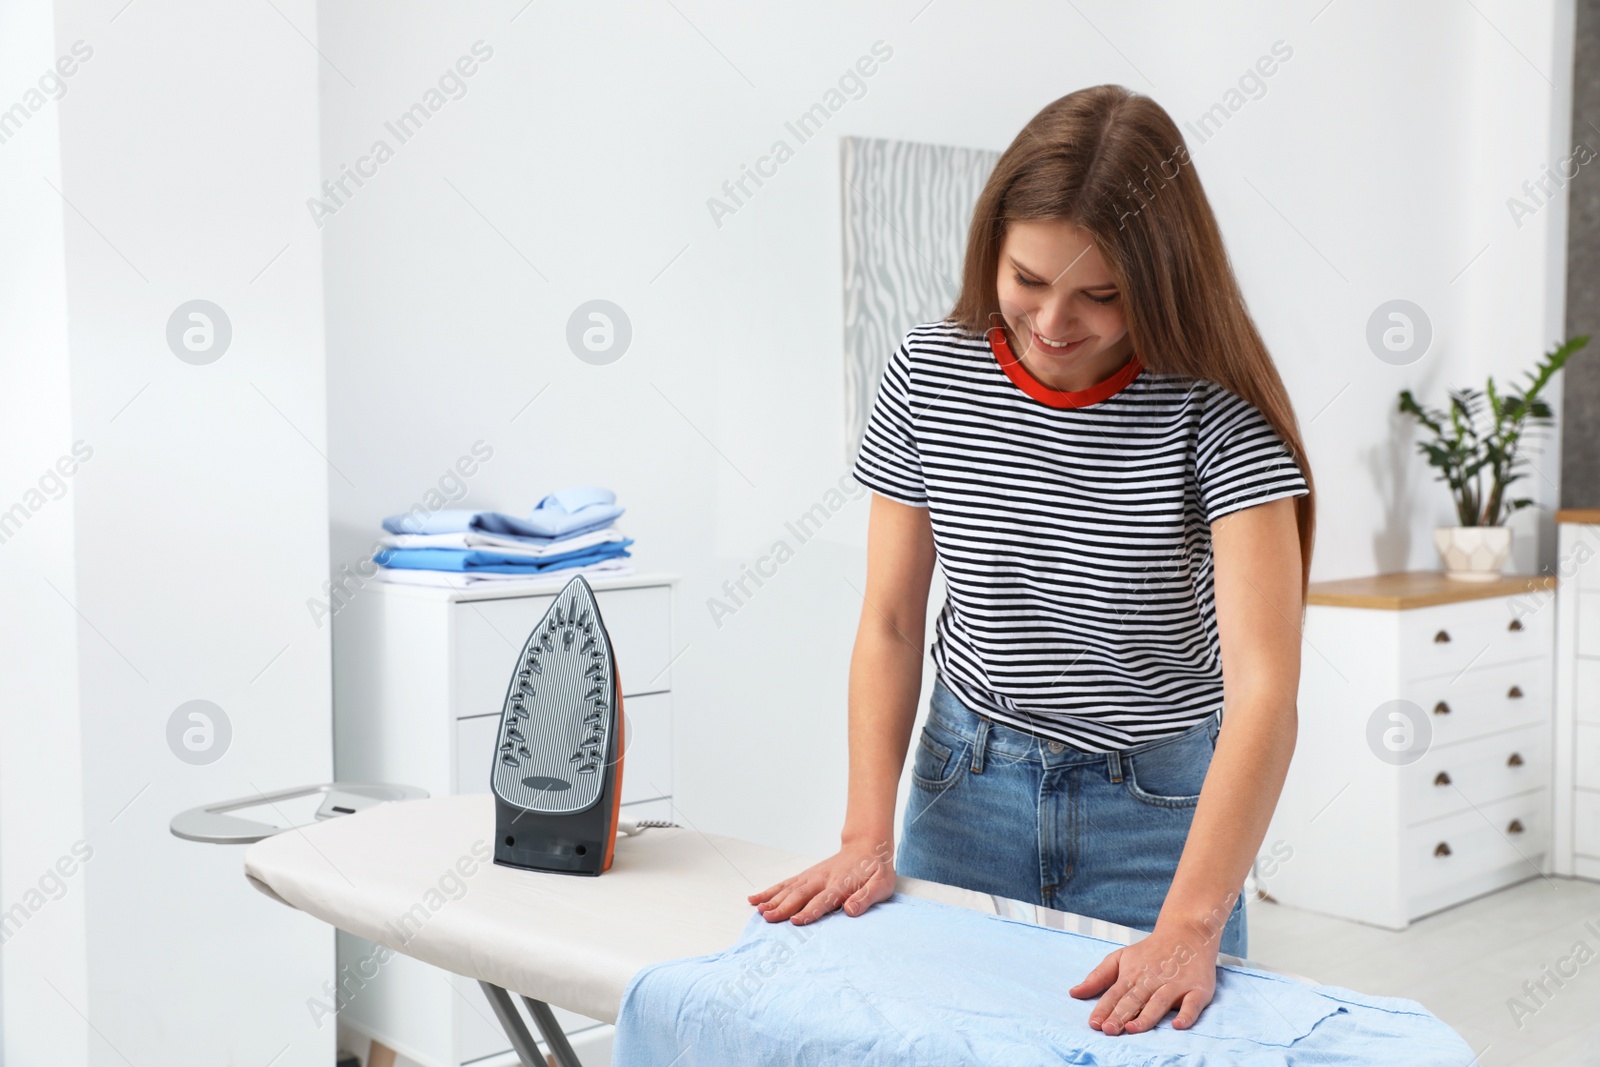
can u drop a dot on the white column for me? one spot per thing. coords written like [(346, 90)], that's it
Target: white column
[(177, 565), (43, 962)]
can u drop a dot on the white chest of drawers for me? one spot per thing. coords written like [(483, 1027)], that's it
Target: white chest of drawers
[(1393, 811), (419, 674), (1577, 770)]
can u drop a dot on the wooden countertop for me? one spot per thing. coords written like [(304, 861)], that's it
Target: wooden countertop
[(1419, 589), (1580, 515)]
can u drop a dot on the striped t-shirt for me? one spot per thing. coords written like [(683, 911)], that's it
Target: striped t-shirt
[(1072, 529)]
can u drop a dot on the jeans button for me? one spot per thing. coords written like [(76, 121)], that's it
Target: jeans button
[(1055, 746)]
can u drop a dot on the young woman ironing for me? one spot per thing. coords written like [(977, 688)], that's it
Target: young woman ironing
[(1097, 450)]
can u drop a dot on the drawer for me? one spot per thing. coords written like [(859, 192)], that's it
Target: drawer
[(1586, 822), (1473, 773), (1460, 847), (1586, 693), (489, 635), (647, 759), (646, 762), (1588, 632), (1586, 756), (1587, 557), (475, 753), (1446, 638), (1485, 699)]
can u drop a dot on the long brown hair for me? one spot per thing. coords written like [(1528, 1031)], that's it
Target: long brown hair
[(1112, 162)]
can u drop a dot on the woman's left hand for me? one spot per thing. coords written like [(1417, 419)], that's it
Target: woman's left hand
[(1145, 980)]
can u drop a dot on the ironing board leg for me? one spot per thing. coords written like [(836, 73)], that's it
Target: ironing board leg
[(553, 1034), (521, 1041), (511, 1023)]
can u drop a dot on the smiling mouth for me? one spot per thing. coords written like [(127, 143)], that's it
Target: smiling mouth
[(1057, 345)]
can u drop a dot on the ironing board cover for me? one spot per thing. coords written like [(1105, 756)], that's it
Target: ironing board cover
[(571, 942)]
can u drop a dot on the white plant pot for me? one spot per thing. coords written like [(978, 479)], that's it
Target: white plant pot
[(1473, 553)]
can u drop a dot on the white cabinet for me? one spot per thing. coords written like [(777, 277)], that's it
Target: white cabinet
[(1577, 769), (419, 675), (1422, 774)]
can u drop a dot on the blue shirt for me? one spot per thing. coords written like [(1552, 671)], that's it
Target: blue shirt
[(911, 981)]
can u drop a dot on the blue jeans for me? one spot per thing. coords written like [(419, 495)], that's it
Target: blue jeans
[(1001, 811)]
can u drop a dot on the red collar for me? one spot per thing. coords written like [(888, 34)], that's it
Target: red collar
[(1058, 398)]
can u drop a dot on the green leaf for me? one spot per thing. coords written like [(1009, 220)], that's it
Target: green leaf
[(1478, 436)]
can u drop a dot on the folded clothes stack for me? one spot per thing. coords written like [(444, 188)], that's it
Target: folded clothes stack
[(572, 531)]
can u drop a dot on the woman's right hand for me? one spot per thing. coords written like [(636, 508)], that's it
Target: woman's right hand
[(857, 876), (885, 679)]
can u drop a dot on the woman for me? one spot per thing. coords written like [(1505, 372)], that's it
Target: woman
[(1097, 449)]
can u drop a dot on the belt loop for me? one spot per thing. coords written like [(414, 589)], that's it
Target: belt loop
[(979, 743), (1114, 761)]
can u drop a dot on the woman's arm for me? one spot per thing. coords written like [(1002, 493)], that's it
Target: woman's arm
[(1256, 555), (885, 682), (886, 666)]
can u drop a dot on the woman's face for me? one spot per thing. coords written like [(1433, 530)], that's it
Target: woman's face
[(1061, 305)]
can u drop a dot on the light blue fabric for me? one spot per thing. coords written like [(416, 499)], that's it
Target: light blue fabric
[(486, 559), (911, 981), (564, 513)]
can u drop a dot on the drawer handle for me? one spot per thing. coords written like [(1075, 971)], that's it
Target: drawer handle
[(1514, 827), (1441, 708), (1516, 624), (1442, 637), (1515, 760), (1441, 778), (1441, 849), (1514, 693)]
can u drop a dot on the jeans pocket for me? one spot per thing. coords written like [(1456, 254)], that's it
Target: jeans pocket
[(936, 764), (1170, 775)]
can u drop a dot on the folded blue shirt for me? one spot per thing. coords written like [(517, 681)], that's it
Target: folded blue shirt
[(487, 559), (915, 981), (564, 513)]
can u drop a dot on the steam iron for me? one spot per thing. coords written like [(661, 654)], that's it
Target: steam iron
[(557, 777)]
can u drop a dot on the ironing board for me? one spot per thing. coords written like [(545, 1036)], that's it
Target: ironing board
[(553, 939)]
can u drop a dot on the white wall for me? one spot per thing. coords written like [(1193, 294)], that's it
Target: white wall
[(41, 776), (579, 163), (186, 544), (1517, 284)]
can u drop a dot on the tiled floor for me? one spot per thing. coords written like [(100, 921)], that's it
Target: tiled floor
[(1466, 964)]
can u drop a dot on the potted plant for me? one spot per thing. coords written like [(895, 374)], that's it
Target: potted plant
[(1467, 449)]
